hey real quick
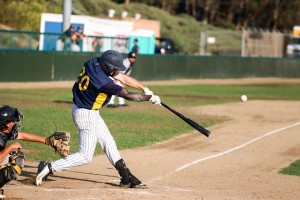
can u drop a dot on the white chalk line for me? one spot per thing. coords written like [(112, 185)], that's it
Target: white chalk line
[(178, 169), (238, 147), (124, 190), (226, 152)]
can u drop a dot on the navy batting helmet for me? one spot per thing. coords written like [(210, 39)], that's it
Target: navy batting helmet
[(10, 114), (110, 61)]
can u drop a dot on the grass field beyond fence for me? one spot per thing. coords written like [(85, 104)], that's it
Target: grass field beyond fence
[(141, 123)]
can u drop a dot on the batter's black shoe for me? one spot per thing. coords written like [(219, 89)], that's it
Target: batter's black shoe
[(133, 183), (127, 179), (44, 170), (136, 183)]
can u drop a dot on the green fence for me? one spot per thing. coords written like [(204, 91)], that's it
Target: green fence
[(24, 66)]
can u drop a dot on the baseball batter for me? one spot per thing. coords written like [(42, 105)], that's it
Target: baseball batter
[(91, 92), (128, 63)]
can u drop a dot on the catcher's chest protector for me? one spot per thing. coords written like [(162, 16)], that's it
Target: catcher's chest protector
[(8, 172)]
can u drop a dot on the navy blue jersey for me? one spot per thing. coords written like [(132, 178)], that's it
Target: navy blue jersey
[(135, 48), (94, 87)]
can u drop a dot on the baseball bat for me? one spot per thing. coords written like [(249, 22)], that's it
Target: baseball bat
[(195, 125)]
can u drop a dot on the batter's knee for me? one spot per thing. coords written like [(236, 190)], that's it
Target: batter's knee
[(86, 158)]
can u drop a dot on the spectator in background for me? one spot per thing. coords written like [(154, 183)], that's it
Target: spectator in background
[(135, 49), (70, 32), (78, 39), (64, 42), (97, 44), (67, 38), (128, 63)]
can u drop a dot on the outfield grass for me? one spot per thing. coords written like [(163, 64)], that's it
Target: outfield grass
[(138, 125)]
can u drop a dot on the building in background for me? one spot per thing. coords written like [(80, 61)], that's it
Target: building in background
[(115, 34)]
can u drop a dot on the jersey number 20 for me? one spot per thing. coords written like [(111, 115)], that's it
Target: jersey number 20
[(83, 80)]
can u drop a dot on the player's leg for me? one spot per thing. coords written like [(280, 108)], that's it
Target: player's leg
[(107, 142), (85, 120), (109, 147), (111, 103), (87, 145), (121, 101)]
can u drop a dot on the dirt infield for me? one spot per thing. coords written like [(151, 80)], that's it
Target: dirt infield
[(240, 160)]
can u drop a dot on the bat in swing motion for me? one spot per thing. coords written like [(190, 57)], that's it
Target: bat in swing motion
[(195, 125)]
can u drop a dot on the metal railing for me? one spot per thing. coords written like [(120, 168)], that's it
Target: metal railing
[(36, 41)]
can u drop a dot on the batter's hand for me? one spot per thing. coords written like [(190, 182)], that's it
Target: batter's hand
[(155, 100), (147, 91)]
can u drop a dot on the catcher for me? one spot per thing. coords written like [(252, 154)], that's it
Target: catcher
[(11, 156)]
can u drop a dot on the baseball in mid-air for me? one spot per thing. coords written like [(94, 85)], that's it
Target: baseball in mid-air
[(244, 98)]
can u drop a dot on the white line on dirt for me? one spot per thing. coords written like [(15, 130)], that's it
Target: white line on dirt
[(178, 169), (238, 147), (225, 152), (125, 190)]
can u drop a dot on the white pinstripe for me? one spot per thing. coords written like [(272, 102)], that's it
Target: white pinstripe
[(92, 130)]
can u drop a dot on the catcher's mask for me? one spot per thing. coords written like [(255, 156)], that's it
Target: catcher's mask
[(10, 114), (110, 61)]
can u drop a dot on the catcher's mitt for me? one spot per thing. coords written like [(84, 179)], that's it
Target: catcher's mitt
[(60, 141)]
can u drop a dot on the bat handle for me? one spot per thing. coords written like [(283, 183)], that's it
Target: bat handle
[(164, 105)]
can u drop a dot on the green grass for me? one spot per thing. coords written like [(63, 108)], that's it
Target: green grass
[(292, 169), (138, 125), (215, 94)]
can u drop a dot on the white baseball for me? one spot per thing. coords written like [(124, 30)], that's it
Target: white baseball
[(244, 98)]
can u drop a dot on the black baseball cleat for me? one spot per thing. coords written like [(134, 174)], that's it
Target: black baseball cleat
[(44, 170), (133, 183), (136, 183), (127, 179)]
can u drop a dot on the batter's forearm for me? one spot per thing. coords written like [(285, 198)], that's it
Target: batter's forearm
[(133, 96), (129, 81)]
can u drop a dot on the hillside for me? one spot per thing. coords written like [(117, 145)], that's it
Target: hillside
[(182, 29)]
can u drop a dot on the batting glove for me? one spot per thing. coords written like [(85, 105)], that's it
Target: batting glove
[(155, 100), (147, 91)]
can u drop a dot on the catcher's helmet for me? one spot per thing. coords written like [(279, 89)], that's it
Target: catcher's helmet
[(8, 113), (111, 60)]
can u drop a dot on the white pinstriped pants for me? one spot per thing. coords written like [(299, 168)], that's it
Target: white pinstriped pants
[(92, 130)]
